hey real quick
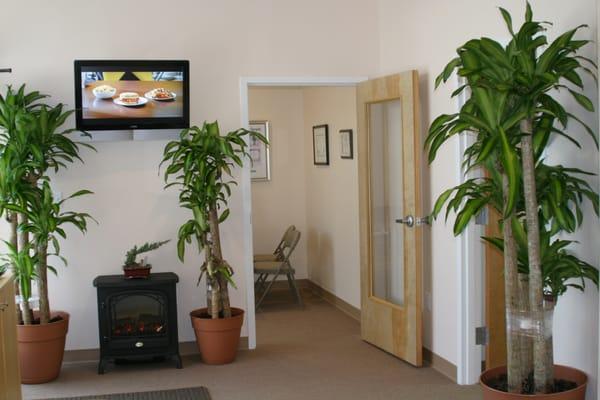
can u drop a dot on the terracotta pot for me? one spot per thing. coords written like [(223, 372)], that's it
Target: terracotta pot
[(560, 372), (218, 339), (41, 349)]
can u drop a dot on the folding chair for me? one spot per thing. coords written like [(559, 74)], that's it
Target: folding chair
[(276, 255), (264, 269)]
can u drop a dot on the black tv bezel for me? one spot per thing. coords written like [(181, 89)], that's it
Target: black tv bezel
[(111, 124)]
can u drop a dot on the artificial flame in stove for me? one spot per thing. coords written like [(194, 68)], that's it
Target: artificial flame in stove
[(143, 325)]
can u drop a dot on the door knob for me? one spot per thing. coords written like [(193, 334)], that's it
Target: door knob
[(409, 221)]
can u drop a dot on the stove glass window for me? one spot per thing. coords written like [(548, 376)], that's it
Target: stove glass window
[(140, 314)]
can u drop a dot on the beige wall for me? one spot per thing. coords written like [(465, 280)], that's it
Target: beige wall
[(424, 35), (224, 41), (280, 202), (320, 200), (332, 196)]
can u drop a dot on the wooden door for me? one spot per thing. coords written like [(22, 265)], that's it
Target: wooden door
[(10, 380), (389, 159)]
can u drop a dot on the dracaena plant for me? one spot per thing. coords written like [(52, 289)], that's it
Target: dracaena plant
[(32, 142), (200, 163), (44, 224), (514, 115)]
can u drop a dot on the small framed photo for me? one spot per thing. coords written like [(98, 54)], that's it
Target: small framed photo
[(259, 152), (321, 144), (346, 144)]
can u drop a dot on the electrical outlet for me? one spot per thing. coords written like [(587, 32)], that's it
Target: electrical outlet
[(57, 195)]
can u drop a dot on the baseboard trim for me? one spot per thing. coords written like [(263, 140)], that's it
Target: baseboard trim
[(440, 364), (335, 301), (93, 355)]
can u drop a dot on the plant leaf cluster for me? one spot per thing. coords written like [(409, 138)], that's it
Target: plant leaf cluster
[(33, 142), (507, 85), (200, 164)]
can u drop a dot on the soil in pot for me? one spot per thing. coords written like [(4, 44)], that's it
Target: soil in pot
[(569, 384), (41, 348), (217, 339), (501, 383)]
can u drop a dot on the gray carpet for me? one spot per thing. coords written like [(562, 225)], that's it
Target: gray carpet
[(311, 353), (198, 393)]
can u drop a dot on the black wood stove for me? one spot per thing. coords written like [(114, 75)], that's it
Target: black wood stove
[(137, 318)]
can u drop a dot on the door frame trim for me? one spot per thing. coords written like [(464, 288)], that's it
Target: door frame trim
[(245, 183), (470, 280)]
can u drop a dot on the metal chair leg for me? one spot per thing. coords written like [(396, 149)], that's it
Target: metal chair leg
[(266, 291), (263, 281), (294, 288)]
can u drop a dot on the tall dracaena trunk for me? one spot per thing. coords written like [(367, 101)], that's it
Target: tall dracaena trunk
[(541, 371), (23, 239), (212, 290), (42, 281), (525, 341), (511, 297), (213, 220), (14, 241)]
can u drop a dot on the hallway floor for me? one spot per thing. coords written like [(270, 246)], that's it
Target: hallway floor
[(303, 354)]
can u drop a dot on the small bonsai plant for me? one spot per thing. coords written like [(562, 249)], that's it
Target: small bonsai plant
[(131, 255)]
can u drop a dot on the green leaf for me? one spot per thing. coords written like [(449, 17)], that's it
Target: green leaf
[(583, 100), (507, 20)]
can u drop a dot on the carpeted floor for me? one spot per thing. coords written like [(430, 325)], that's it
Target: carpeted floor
[(303, 354)]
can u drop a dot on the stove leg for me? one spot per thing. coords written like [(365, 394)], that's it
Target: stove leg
[(178, 363), (101, 365)]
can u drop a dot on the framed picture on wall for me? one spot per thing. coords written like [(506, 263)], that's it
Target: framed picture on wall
[(259, 152), (346, 144), (321, 144)]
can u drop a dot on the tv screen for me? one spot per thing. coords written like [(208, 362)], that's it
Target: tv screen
[(113, 95)]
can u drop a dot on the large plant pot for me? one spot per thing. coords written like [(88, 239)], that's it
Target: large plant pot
[(560, 372), (218, 339), (41, 349)]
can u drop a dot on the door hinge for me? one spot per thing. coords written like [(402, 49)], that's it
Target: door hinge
[(482, 336), (482, 217)]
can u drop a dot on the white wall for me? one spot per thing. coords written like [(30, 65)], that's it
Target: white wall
[(332, 196), (223, 41), (280, 202), (424, 35)]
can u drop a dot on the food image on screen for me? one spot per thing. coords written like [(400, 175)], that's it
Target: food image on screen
[(110, 94)]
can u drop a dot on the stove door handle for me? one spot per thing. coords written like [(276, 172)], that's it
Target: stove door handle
[(139, 344)]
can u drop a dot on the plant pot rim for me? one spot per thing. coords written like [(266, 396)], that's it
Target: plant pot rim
[(502, 369), (64, 317), (235, 313)]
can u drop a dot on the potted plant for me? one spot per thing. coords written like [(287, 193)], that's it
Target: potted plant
[(135, 269), (201, 163), (31, 144), (514, 115)]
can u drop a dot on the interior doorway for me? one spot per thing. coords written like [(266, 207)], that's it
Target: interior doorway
[(310, 183), (320, 177)]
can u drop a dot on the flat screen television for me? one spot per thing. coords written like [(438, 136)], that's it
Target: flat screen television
[(132, 94)]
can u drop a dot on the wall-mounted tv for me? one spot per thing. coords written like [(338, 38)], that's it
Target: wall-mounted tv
[(131, 94)]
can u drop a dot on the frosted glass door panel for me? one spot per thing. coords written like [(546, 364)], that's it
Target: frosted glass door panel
[(385, 136)]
